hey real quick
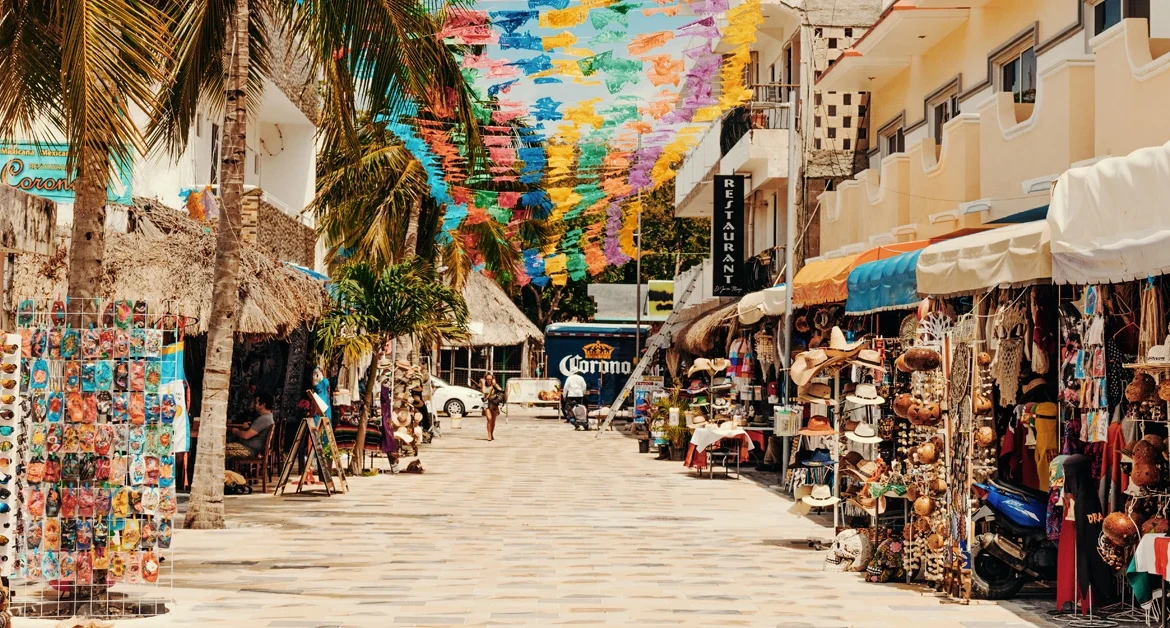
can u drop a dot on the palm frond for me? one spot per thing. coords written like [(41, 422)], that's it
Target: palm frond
[(383, 56), (110, 57), (196, 75), (30, 61)]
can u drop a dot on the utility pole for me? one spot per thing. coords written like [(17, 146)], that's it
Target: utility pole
[(638, 284)]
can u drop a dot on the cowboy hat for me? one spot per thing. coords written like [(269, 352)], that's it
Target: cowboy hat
[(818, 426), (696, 388), (697, 420), (872, 506), (700, 365), (720, 384), (816, 392), (862, 469), (868, 358), (813, 459), (863, 433), (799, 507), (403, 434), (821, 495), (720, 364), (866, 395), (806, 365)]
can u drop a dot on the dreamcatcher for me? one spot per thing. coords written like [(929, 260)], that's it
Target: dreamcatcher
[(908, 330), (960, 381), (933, 329)]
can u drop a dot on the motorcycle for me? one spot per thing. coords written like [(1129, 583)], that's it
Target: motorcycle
[(1011, 546)]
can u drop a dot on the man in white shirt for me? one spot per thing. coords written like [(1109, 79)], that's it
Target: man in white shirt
[(575, 388)]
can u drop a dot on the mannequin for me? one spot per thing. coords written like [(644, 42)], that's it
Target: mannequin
[(1081, 573)]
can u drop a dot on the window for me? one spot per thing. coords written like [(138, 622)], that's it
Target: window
[(832, 132), (847, 122), (1018, 76), (847, 99), (893, 142), (942, 110), (845, 144), (1108, 13)]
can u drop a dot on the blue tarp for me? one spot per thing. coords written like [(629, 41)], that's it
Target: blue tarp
[(885, 284)]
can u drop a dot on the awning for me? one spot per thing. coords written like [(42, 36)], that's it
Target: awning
[(886, 284), (1109, 221), (1015, 255), (757, 305), (826, 280), (822, 281)]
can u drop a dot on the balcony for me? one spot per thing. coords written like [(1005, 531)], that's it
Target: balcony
[(872, 208), (942, 177), (1022, 143), (700, 164), (1131, 86)]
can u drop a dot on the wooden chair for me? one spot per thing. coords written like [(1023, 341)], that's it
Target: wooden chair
[(256, 465)]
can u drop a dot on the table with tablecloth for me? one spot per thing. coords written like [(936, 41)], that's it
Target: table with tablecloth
[(706, 436), (1147, 570)]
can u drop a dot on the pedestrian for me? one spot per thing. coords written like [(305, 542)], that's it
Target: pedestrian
[(575, 389), (493, 396)]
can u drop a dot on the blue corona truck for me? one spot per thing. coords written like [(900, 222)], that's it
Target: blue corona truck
[(603, 353)]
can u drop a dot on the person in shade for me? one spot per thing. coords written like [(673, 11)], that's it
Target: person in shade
[(248, 441)]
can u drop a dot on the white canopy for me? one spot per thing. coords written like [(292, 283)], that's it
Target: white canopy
[(1008, 256), (1110, 221), (757, 305)]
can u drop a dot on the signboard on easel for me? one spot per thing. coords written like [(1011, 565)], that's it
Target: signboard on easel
[(315, 439)]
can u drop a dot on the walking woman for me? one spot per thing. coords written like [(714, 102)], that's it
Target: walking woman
[(493, 396)]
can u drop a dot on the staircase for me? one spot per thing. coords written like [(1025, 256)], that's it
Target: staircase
[(656, 343)]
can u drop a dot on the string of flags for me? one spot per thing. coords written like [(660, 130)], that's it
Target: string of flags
[(580, 156)]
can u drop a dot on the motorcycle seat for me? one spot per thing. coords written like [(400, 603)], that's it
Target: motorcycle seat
[(1020, 489)]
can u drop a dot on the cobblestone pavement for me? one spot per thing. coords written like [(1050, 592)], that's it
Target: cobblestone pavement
[(544, 526)]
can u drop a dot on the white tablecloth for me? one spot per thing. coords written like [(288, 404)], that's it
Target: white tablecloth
[(705, 436)]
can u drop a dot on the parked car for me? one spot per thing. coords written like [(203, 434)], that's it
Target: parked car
[(451, 400)]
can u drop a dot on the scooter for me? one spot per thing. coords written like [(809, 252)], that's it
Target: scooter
[(1011, 546)]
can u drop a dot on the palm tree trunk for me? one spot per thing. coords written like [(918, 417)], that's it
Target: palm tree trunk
[(359, 448), (88, 243), (206, 508), (410, 247)]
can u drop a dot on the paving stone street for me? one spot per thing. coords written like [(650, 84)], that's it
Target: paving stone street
[(545, 526)]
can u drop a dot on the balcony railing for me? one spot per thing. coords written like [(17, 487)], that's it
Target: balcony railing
[(766, 111)]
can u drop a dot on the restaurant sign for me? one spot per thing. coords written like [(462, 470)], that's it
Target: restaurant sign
[(39, 169), (727, 236)]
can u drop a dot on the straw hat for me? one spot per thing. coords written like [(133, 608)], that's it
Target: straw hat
[(806, 365), (799, 507), (866, 395), (700, 365), (864, 433), (839, 347), (820, 496), (404, 434), (868, 358), (816, 392), (720, 364)]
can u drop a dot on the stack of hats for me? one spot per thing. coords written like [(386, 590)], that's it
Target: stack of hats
[(808, 364), (708, 391)]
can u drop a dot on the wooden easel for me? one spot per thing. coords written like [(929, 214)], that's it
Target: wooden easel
[(308, 441)]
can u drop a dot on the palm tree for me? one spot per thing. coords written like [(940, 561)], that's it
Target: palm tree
[(372, 308), (380, 54), (77, 67)]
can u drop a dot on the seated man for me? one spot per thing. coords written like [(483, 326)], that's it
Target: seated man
[(248, 441)]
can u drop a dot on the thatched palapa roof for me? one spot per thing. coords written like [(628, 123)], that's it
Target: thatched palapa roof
[(496, 321), (168, 260), (699, 337)]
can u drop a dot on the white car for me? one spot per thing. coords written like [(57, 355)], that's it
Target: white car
[(452, 400)]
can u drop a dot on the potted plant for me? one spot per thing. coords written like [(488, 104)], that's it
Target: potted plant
[(676, 435)]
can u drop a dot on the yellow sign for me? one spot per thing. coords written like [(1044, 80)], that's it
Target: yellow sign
[(659, 298)]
